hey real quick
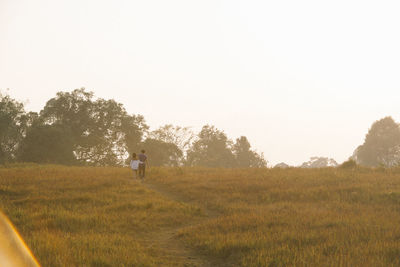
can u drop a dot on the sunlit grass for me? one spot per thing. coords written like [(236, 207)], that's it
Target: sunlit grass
[(78, 216), (295, 217), (73, 216)]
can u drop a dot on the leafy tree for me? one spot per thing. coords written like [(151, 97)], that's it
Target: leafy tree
[(162, 153), (72, 109), (102, 142), (349, 164), (381, 145), (319, 162), (282, 165), (13, 125), (101, 130), (181, 137), (245, 157), (47, 144), (211, 149), (133, 129)]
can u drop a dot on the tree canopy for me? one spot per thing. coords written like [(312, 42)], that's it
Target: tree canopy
[(77, 128), (211, 149), (381, 145), (319, 162), (161, 153), (245, 157), (48, 144), (13, 125)]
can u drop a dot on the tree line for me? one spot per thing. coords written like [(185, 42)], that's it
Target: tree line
[(75, 128), (381, 148)]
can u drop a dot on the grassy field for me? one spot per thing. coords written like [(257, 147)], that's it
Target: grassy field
[(90, 216), (77, 216)]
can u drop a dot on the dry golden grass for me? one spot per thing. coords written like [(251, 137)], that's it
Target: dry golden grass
[(73, 216), (293, 217)]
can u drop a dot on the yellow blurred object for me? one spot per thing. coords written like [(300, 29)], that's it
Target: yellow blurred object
[(13, 250)]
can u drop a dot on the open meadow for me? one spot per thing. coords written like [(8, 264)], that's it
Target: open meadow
[(98, 216)]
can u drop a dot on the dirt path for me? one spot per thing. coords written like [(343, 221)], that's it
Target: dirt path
[(167, 239)]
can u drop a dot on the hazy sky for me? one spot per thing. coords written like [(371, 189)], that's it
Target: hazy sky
[(298, 78)]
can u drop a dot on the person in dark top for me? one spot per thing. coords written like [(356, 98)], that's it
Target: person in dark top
[(142, 164)]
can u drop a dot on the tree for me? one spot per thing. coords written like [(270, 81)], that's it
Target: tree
[(133, 129), (381, 145), (211, 149), (282, 165), (245, 157), (181, 137), (349, 164), (102, 142), (72, 109), (319, 162), (47, 144), (13, 125), (161, 153), (102, 132)]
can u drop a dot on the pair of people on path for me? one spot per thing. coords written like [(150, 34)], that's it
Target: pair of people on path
[(138, 164)]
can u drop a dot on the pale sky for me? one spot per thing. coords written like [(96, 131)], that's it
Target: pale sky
[(298, 78)]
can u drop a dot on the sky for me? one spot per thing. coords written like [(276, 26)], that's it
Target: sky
[(297, 78)]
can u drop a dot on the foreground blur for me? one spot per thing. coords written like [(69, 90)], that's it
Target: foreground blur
[(13, 251)]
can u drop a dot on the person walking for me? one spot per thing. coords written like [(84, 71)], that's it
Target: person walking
[(135, 165), (142, 164)]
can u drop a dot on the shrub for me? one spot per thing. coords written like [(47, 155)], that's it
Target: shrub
[(349, 164)]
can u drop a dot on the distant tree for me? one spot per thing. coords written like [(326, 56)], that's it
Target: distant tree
[(182, 137), (102, 132), (245, 157), (211, 149), (47, 144), (13, 125), (161, 153), (102, 142), (381, 145), (72, 109), (349, 164), (319, 162), (133, 128), (282, 165)]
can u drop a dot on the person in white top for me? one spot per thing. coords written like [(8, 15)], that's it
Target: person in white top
[(134, 165)]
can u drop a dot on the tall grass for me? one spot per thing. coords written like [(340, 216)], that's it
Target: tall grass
[(293, 217), (74, 216)]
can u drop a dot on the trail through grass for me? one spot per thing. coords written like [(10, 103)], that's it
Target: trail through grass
[(73, 216), (292, 217), (167, 238), (78, 216)]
